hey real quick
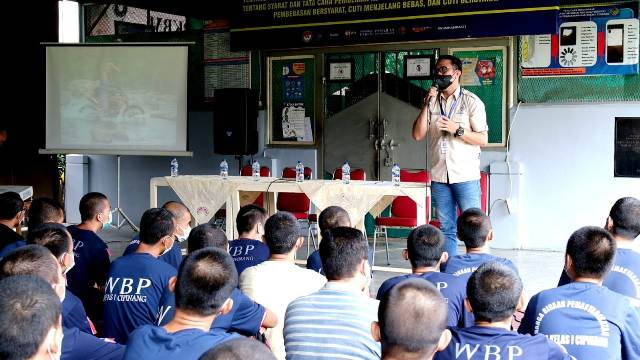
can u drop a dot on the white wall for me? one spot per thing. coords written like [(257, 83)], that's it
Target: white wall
[(566, 152)]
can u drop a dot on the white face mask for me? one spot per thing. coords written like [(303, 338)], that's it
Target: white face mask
[(73, 263), (166, 250), (185, 234), (107, 224)]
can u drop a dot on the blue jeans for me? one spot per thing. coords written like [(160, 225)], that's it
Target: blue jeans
[(447, 197)]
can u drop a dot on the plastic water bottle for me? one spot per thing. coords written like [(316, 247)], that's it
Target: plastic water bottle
[(299, 172), (224, 169), (174, 167), (346, 173), (395, 175), (255, 170)]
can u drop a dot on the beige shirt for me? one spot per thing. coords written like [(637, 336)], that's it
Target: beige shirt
[(455, 160), (275, 284)]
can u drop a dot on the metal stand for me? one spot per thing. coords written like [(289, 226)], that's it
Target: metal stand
[(120, 211)]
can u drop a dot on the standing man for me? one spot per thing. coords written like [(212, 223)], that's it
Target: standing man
[(455, 124)]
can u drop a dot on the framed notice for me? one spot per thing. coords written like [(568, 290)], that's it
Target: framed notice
[(342, 70), (419, 67)]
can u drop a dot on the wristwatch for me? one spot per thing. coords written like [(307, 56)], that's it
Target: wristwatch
[(459, 132)]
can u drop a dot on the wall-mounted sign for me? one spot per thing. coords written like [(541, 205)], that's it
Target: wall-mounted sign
[(419, 67), (340, 70)]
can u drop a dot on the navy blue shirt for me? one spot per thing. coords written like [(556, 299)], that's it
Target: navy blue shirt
[(452, 288), (247, 253), (624, 277), (314, 262), (7, 249), (464, 265), (590, 321), (479, 342), (153, 342), (8, 237), (77, 345), (92, 267), (74, 315), (173, 257), (134, 293)]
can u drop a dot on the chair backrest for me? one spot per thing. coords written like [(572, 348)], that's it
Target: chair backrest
[(248, 171), (356, 174), (403, 206), (290, 173), (294, 202)]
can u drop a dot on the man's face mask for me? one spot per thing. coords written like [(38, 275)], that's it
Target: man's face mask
[(107, 224), (168, 248), (185, 233), (442, 82), (72, 262), (57, 339)]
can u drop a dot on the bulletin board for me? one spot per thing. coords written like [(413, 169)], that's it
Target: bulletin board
[(291, 100), (484, 73)]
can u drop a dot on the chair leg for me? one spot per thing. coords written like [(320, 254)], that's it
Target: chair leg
[(375, 235), (386, 244), (309, 241), (314, 235)]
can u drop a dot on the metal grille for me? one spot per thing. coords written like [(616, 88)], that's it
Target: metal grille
[(101, 19)]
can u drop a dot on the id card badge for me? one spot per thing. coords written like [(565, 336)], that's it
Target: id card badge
[(444, 146)]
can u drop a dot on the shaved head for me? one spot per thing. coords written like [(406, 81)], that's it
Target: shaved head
[(178, 210)]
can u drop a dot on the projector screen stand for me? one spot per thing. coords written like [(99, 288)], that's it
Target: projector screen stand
[(123, 219)]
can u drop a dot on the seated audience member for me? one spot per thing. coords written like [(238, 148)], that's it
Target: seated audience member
[(76, 345), (57, 239), (412, 321), (474, 229), (87, 278), (624, 224), (44, 210), (11, 216), (426, 251), (29, 319), (182, 218), (278, 281), (342, 310), (249, 249), (588, 319), (494, 293), (246, 317), (203, 289), (137, 284), (239, 349)]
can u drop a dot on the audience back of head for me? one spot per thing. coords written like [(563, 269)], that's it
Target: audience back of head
[(333, 216), (248, 217), (625, 218), (412, 319), (342, 251), (92, 204), (54, 237), (205, 281), (425, 246), (206, 235), (281, 233), (31, 260), (239, 349), (29, 313), (155, 225), (474, 227), (11, 205), (591, 250), (494, 291), (44, 210)]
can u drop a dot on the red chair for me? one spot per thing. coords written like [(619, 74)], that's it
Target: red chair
[(404, 211), (296, 203), (484, 197), (264, 172)]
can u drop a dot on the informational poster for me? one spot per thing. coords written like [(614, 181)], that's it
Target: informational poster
[(293, 121), (601, 39), (340, 71)]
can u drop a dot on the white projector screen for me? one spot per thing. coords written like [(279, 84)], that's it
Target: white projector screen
[(116, 99)]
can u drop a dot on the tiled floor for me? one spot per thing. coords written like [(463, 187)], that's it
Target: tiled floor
[(539, 270)]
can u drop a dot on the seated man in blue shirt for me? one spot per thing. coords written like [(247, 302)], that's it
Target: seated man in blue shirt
[(494, 294), (624, 224), (87, 278), (412, 322), (203, 289), (182, 218), (137, 284), (57, 239), (76, 345), (474, 229), (11, 216), (249, 249), (426, 250), (588, 319)]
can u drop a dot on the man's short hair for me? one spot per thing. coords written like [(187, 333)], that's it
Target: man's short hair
[(281, 232), (155, 224), (54, 237), (425, 246), (205, 281), (249, 216), (412, 316), (205, 236), (493, 291), (31, 260), (10, 205), (592, 250), (92, 204), (625, 215), (456, 62), (29, 308), (473, 227), (177, 209), (332, 217), (342, 249), (44, 210), (239, 349)]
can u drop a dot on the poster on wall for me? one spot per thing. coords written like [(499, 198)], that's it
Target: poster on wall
[(599, 39), (222, 68)]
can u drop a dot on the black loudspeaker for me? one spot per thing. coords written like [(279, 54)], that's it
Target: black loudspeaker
[(235, 122)]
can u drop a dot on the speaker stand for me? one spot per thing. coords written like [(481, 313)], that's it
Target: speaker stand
[(125, 220)]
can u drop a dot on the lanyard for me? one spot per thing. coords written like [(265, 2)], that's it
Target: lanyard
[(453, 106)]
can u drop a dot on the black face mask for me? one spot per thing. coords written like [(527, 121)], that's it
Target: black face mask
[(442, 81)]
